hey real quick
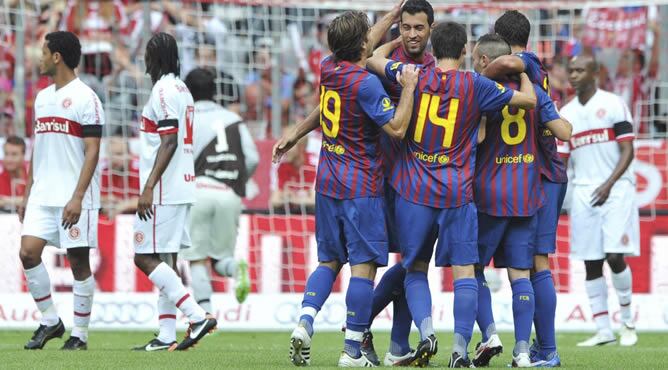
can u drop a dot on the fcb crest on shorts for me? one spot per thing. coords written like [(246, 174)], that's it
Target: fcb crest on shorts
[(74, 233)]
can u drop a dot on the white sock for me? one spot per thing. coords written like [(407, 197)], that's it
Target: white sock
[(83, 303), (308, 311), (201, 285), (597, 290), (39, 286), (623, 283), (166, 319), (226, 267), (168, 282)]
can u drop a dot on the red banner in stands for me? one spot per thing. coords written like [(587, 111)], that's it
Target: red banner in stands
[(621, 28)]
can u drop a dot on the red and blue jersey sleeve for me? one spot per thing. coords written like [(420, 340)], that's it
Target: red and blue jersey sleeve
[(546, 107), (374, 101), (535, 70), (491, 96)]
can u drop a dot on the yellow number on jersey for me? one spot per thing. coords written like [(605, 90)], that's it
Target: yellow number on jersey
[(431, 103), (508, 119), (332, 116)]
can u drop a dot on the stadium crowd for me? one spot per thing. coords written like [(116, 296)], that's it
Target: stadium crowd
[(238, 45)]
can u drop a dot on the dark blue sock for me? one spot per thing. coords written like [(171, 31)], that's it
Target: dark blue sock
[(524, 305), (389, 287), (546, 306), (485, 317), (318, 287), (401, 327), (418, 297), (358, 308), (465, 309)]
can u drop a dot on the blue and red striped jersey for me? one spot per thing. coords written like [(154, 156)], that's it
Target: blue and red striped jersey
[(389, 145), (436, 165), (353, 107), (552, 166), (507, 179)]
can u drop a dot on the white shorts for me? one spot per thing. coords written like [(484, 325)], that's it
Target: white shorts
[(165, 232), (46, 223), (613, 227), (214, 223)]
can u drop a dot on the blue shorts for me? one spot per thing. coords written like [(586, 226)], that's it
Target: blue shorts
[(419, 227), (351, 230), (548, 217), (510, 240), (390, 196)]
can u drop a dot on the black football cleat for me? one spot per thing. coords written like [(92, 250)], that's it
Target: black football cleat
[(44, 334), (74, 344), (155, 345), (197, 331), (457, 360), (424, 352), (367, 348)]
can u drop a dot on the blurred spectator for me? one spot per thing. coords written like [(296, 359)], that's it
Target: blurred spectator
[(635, 77), (13, 174), (305, 98), (295, 192), (120, 179)]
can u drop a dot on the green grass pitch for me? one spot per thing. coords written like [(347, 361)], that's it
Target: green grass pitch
[(261, 350)]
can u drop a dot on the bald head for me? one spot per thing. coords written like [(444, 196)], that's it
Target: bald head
[(582, 70), (585, 61), (488, 48)]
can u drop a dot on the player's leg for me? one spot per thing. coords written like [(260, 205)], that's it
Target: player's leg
[(490, 235), (163, 233), (597, 291), (366, 242), (417, 233), (458, 247), (331, 254), (39, 225), (620, 239), (545, 347), (166, 337), (226, 212)]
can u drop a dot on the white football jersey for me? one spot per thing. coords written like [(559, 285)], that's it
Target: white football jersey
[(170, 109), (597, 127), (63, 118)]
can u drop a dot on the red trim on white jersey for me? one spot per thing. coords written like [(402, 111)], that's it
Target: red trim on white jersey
[(58, 125), (596, 136), (148, 126)]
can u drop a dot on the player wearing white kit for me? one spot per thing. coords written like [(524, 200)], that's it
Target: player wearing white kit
[(604, 215), (167, 175), (62, 197), (225, 158)]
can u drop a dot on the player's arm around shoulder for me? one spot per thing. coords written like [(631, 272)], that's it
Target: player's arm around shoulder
[(408, 79), (503, 66), (525, 98), (558, 125)]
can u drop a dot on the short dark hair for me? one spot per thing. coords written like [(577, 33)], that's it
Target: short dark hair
[(15, 140), (493, 46), (413, 7), (448, 39), (162, 56), (346, 34), (514, 27), (200, 82), (67, 45)]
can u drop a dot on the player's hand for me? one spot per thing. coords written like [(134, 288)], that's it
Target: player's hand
[(282, 146), (408, 76), (21, 209), (396, 12), (601, 194), (71, 213), (145, 204)]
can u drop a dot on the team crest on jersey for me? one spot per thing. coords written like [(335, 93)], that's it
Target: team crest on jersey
[(528, 158), (74, 233), (500, 87), (387, 104), (600, 113), (625, 239), (443, 159), (139, 237), (67, 102)]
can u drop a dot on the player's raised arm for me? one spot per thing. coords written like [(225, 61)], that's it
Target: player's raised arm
[(291, 137), (525, 98), (386, 49), (383, 25), (503, 66), (92, 134)]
